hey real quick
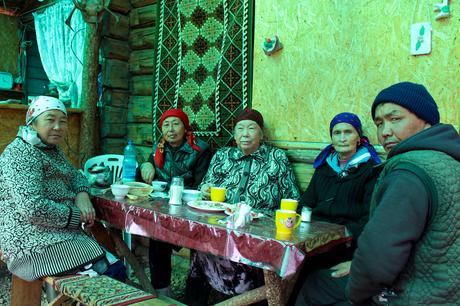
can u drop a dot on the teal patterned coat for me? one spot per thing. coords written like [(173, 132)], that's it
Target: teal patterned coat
[(260, 179)]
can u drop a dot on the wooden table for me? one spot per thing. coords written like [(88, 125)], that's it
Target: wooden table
[(255, 244)]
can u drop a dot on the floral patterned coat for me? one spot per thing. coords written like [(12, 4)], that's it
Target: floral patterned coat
[(260, 179)]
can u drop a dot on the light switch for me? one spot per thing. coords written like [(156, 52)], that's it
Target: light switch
[(420, 38)]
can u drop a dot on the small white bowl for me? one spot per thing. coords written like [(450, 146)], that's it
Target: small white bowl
[(190, 195), (139, 189), (119, 190), (159, 185)]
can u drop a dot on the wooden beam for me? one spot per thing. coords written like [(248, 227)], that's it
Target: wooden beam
[(24, 293), (33, 5), (7, 12), (246, 298), (89, 96)]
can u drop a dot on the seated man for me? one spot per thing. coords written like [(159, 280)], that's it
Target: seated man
[(407, 250)]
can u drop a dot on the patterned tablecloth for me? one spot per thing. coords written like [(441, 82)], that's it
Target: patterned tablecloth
[(255, 244)]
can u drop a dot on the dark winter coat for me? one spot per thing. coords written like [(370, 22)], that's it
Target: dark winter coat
[(411, 242), (342, 200), (184, 162)]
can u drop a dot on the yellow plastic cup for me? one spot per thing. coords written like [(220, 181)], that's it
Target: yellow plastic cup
[(286, 221), (289, 204), (218, 194)]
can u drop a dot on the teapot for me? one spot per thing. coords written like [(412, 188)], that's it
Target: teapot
[(100, 176)]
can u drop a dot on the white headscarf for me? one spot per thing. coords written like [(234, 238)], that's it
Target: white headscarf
[(41, 105), (36, 108)]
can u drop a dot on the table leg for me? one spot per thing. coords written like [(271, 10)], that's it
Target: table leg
[(277, 289), (133, 262), (274, 289), (110, 238)]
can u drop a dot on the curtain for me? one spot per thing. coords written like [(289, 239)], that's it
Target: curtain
[(61, 48)]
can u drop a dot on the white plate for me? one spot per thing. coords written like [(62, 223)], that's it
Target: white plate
[(207, 205), (159, 194)]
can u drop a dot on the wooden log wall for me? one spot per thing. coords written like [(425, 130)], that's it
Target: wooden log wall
[(128, 51), (9, 55), (141, 63), (115, 71)]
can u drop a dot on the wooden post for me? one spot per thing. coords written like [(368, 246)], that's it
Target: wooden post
[(89, 96), (24, 293)]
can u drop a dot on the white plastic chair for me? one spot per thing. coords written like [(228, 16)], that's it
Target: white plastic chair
[(113, 161)]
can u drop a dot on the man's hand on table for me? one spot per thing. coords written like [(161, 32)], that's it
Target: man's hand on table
[(341, 270)]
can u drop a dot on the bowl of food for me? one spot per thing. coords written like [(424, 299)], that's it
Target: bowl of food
[(159, 185), (139, 189), (190, 195), (119, 190)]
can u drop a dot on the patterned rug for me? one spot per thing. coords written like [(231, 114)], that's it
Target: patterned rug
[(203, 64)]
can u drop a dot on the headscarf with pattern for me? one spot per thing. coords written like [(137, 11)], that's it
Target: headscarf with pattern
[(42, 104)]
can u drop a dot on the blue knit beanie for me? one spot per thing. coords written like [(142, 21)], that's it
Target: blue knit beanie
[(414, 97)]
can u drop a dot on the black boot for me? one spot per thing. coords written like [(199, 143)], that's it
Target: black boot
[(197, 291)]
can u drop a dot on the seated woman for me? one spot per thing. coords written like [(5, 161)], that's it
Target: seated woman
[(44, 201), (178, 153), (256, 174), (341, 187), (342, 184)]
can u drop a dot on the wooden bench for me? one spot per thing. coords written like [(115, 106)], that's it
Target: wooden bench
[(100, 290)]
